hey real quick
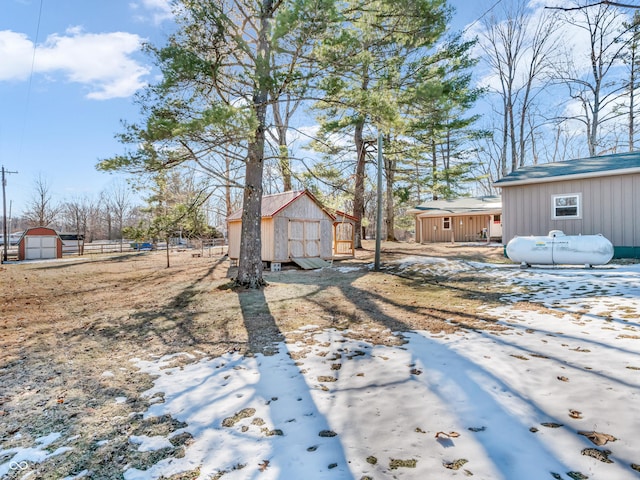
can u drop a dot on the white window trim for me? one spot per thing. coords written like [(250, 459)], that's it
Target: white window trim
[(450, 223), (565, 217)]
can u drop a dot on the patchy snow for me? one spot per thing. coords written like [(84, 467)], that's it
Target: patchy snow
[(500, 405), (48, 439), (346, 269), (497, 405), (82, 474), (20, 458), (150, 444)]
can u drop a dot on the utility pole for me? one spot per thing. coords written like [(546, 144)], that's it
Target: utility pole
[(4, 214), (376, 265)]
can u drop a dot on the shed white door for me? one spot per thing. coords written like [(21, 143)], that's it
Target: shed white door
[(304, 238), (37, 247)]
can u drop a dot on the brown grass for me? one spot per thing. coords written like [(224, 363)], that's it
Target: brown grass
[(68, 330)]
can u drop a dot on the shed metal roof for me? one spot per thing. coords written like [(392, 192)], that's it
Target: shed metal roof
[(614, 164), (272, 204)]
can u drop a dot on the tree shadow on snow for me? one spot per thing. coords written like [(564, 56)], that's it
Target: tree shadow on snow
[(477, 396), (304, 445)]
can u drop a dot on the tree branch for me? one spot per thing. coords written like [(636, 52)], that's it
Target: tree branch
[(602, 2)]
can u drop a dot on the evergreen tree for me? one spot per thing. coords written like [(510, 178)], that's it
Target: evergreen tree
[(223, 68)]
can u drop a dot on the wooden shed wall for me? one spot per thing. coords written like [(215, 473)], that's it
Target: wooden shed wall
[(268, 240), (275, 231), (234, 232), (469, 231), (233, 238), (303, 209), (610, 206)]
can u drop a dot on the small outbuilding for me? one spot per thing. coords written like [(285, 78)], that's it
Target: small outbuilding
[(467, 219), (39, 243), (344, 229), (587, 196), (295, 227)]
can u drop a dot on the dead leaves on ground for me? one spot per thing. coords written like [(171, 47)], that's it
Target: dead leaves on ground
[(598, 438), (552, 424), (602, 455), (456, 464)]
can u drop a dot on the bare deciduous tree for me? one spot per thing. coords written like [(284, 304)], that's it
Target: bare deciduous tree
[(118, 202), (519, 50), (81, 215), (595, 90), (41, 210)]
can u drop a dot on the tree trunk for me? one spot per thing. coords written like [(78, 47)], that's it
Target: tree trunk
[(121, 235), (390, 167), (358, 194), (434, 171), (284, 162), (250, 261), (167, 249)]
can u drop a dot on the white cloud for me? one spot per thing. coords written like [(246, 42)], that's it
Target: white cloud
[(159, 10), (305, 133), (102, 62), (16, 53)]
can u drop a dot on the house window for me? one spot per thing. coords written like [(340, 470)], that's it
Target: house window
[(497, 219), (567, 206), (446, 223)]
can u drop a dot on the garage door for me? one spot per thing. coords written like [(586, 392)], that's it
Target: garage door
[(37, 247)]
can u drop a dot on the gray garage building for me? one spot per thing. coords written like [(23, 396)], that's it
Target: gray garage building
[(587, 196)]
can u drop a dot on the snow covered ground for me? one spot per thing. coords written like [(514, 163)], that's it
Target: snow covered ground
[(496, 405)]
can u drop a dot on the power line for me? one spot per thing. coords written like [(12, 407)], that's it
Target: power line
[(33, 63), (481, 16)]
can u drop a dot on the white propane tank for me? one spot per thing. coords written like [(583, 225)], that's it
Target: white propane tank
[(558, 248)]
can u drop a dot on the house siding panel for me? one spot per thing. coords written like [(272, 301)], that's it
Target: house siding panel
[(470, 229), (627, 190), (635, 211), (609, 206)]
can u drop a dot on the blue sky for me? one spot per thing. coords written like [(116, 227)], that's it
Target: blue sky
[(62, 108)]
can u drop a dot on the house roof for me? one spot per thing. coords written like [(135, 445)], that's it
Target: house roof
[(605, 165), (272, 204), (464, 205)]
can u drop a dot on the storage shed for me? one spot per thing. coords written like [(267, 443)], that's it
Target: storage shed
[(587, 196), (39, 243), (467, 219), (344, 228), (295, 227)]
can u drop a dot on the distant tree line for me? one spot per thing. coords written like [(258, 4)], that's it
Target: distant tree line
[(174, 208)]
